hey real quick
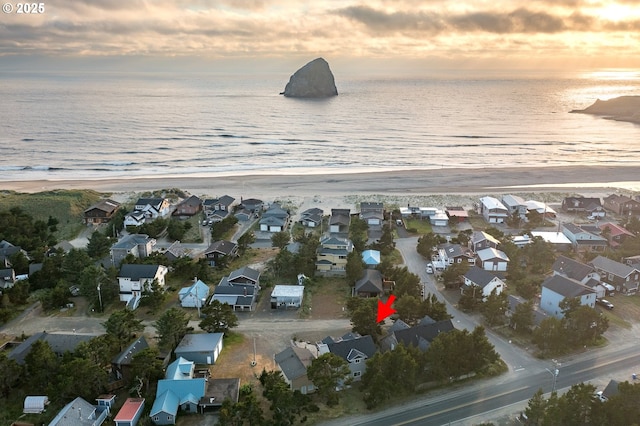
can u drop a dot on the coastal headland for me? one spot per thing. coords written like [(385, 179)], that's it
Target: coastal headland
[(410, 182)]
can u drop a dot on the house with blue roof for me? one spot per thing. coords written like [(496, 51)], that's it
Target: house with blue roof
[(194, 296), (179, 390)]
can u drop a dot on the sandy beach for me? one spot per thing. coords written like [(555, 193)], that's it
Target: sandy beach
[(575, 179)]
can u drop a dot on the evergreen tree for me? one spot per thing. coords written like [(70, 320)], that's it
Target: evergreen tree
[(172, 326), (218, 318), (327, 372)]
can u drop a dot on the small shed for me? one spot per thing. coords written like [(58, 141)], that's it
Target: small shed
[(35, 404), (287, 296)]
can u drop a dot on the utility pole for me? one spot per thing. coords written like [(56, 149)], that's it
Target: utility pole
[(100, 298), (554, 373)]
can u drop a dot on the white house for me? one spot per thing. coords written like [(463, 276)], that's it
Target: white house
[(515, 205), (194, 296), (287, 296), (485, 281), (557, 288), (493, 210), (440, 218), (134, 279), (491, 259)]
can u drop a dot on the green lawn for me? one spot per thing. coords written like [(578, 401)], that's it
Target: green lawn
[(421, 226)]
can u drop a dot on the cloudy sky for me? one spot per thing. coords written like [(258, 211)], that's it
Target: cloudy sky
[(479, 33)]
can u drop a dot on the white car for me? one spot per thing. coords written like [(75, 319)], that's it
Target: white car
[(429, 268)]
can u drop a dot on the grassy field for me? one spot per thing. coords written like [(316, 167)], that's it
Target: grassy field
[(67, 206), (421, 226)]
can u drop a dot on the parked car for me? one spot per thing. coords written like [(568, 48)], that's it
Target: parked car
[(605, 303), (429, 268)]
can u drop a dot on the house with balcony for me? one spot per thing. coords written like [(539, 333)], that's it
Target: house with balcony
[(589, 206), (101, 212), (137, 245), (332, 256), (515, 205), (581, 272), (188, 207), (492, 210), (220, 250), (353, 348), (134, 279)]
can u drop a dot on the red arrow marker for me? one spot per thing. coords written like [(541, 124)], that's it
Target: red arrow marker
[(384, 309)]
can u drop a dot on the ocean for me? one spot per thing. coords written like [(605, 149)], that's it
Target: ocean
[(103, 125)]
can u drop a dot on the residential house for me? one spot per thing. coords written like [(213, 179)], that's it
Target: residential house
[(582, 240), (448, 253), (332, 256), (440, 218), (134, 279), (287, 296), (130, 412), (372, 213), (220, 250), (134, 218), (7, 251), (138, 245), (60, 344), (590, 206), (614, 233), (181, 389), (175, 251), (244, 215), (188, 207), (200, 348), (484, 281), (457, 213), (80, 413), (240, 297), (147, 209), (194, 296), (557, 288), (584, 274), (624, 278), (541, 208), (245, 275), (622, 205), (370, 285), (121, 365), (293, 363), (515, 205), (492, 210), (311, 218), (217, 209), (481, 240), (101, 212), (353, 348), (253, 205), (419, 336), (491, 259), (274, 219), (339, 221), (7, 278), (557, 239)]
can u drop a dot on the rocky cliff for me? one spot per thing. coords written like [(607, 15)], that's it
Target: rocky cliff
[(313, 80), (623, 108)]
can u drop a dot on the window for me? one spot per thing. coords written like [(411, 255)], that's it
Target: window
[(357, 361), (357, 373), (156, 418)]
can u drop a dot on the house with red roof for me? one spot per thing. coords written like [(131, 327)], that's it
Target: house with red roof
[(616, 234), (130, 412)]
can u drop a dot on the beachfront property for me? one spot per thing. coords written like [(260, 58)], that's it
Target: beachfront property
[(188, 207), (515, 205), (339, 221), (134, 279), (557, 288), (484, 281), (137, 245), (312, 218), (621, 205), (217, 209), (541, 208), (456, 213), (332, 256), (582, 240), (147, 209), (101, 212), (492, 210), (274, 219), (589, 205), (372, 213)]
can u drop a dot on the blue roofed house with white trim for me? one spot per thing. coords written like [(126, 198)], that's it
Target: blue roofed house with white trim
[(201, 348), (194, 296), (179, 390)]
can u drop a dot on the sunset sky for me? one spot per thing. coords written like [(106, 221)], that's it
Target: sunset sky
[(439, 33)]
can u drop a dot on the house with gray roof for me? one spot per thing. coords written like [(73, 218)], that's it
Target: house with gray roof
[(332, 256), (216, 205), (491, 259), (583, 273), (370, 285), (339, 221), (481, 240), (557, 288), (239, 296), (582, 240), (7, 278), (219, 250), (137, 245), (245, 275), (121, 363), (188, 207), (80, 413), (203, 348), (353, 348), (293, 363), (492, 210), (483, 280), (589, 205), (60, 344), (621, 205), (311, 218), (515, 205), (420, 335), (147, 209), (624, 278), (133, 279), (101, 212), (372, 213)]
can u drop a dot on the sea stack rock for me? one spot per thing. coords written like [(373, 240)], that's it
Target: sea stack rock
[(314, 80), (623, 108)]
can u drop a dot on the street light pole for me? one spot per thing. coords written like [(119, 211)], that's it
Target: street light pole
[(554, 374), (100, 297)]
